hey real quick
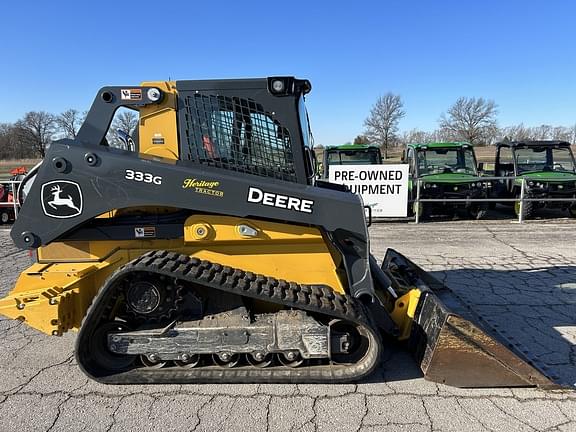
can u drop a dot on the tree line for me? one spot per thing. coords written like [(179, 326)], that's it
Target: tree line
[(469, 119), (30, 136)]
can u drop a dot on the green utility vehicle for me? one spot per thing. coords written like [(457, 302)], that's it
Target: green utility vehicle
[(350, 154), (446, 170), (548, 168)]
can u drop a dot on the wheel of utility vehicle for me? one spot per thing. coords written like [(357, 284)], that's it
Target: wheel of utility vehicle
[(5, 217), (529, 209), (572, 211), (478, 211)]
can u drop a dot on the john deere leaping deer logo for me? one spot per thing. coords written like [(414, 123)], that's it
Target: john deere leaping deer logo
[(61, 199)]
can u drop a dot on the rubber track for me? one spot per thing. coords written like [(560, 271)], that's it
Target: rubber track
[(313, 298)]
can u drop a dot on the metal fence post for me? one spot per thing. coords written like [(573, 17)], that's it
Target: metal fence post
[(522, 191), (417, 212), (16, 198)]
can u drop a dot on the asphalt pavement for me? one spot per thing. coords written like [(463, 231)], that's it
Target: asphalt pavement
[(522, 277)]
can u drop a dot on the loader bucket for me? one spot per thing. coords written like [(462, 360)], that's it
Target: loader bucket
[(450, 342)]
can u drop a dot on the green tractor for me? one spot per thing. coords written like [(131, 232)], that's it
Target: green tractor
[(445, 170), (350, 154), (548, 168)]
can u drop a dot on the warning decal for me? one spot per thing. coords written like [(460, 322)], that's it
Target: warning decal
[(131, 94), (145, 232)]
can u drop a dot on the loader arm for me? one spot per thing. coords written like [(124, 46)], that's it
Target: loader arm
[(107, 185)]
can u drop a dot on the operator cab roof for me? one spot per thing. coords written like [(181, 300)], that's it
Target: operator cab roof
[(543, 143), (276, 85), (353, 147), (432, 145)]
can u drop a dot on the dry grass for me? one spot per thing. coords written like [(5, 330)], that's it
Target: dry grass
[(18, 162)]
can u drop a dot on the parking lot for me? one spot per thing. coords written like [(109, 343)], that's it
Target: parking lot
[(522, 277)]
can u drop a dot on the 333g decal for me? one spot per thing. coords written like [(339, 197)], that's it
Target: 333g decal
[(143, 177)]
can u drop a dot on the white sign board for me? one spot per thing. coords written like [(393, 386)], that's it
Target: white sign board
[(383, 187)]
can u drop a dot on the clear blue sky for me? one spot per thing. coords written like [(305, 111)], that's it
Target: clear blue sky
[(55, 55)]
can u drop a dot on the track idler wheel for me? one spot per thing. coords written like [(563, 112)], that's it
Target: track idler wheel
[(226, 359), (260, 359), (152, 361), (99, 347), (356, 344), (188, 361), (290, 358)]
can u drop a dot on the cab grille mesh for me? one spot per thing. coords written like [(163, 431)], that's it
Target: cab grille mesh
[(238, 135)]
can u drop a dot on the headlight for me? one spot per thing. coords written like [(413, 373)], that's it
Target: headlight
[(278, 86), (434, 185), (531, 183), (560, 186), (426, 185)]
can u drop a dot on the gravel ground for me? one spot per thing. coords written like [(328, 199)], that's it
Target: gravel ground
[(520, 276)]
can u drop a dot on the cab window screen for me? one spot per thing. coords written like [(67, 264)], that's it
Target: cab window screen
[(237, 134)]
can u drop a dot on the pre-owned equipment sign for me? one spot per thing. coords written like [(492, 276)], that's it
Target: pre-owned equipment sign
[(382, 187)]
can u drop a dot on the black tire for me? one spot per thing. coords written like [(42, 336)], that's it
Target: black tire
[(478, 211), (450, 212), (572, 211), (529, 209), (4, 217)]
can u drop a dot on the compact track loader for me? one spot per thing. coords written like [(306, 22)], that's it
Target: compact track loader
[(210, 253)]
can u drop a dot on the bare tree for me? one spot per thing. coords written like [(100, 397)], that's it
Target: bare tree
[(36, 130), (471, 119), (542, 132), (515, 132), (9, 148), (415, 136), (518, 132), (361, 139), (562, 133), (382, 122), (69, 122), (125, 120)]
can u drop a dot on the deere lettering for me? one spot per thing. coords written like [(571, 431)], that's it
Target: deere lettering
[(204, 187), (287, 202)]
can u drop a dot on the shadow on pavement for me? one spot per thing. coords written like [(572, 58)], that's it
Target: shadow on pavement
[(531, 310)]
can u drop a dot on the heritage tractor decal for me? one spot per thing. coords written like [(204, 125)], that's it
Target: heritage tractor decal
[(205, 187)]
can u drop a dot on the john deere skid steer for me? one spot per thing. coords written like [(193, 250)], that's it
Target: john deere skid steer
[(210, 253)]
